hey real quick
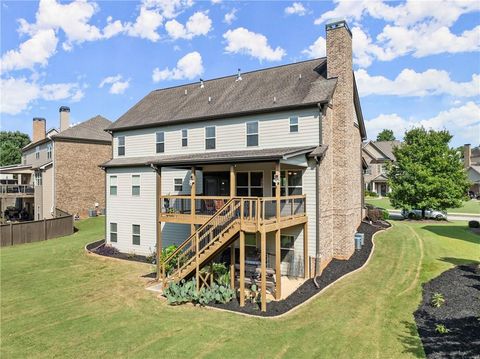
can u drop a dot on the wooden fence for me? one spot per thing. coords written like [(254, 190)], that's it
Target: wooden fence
[(35, 231)]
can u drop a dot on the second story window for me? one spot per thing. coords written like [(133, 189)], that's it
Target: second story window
[(38, 178), (178, 184), (184, 138), (135, 185), (121, 145), (294, 124), (49, 151), (252, 133), (210, 137), (160, 141), (113, 185), (37, 152)]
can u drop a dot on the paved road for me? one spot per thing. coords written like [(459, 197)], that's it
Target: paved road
[(395, 214)]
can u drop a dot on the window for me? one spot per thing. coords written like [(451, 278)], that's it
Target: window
[(37, 152), (24, 159), (210, 136), (49, 151), (383, 169), (160, 142), (250, 245), (178, 184), (252, 133), (113, 232), (287, 247), (136, 234), (250, 184), (291, 180), (294, 124), (184, 138), (121, 146), (113, 185), (368, 170), (38, 178), (135, 185)]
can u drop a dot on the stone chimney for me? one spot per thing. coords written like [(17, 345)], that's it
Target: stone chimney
[(39, 129), (467, 156), (64, 118), (345, 143)]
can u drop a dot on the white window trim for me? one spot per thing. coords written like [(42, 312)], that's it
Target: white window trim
[(250, 134), (115, 232), (186, 137), (37, 152), (110, 185), (124, 145), (209, 138), (161, 142), (290, 125), (174, 184), (139, 185), (139, 234)]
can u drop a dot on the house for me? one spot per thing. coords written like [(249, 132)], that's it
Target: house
[(265, 165), (471, 162), (62, 166), (377, 154)]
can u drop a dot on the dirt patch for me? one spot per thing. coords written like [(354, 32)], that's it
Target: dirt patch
[(460, 314), (335, 270)]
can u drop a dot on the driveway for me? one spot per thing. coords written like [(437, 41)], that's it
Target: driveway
[(395, 214)]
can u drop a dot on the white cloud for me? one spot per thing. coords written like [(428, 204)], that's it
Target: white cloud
[(118, 85), (230, 17), (412, 83), (19, 93), (188, 67), (112, 28), (250, 43), (317, 49), (36, 50), (296, 8), (198, 24), (463, 122)]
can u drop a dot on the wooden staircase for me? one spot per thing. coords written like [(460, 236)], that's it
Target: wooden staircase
[(212, 237)]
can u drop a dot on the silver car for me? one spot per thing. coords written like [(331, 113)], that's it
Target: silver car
[(429, 213)]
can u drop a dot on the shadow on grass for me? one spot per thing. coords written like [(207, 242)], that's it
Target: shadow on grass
[(453, 231), (411, 340), (458, 261)]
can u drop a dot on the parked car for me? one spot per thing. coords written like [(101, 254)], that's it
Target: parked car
[(429, 213)]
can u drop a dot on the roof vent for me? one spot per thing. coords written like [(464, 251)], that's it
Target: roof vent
[(274, 99), (300, 76), (186, 91), (239, 75), (209, 99), (201, 84)]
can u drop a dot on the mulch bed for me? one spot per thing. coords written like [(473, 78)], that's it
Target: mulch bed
[(335, 269), (460, 314), (100, 248)]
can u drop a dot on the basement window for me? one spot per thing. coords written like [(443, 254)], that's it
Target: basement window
[(210, 137), (113, 185), (252, 133), (160, 142), (113, 232), (294, 124), (136, 234), (135, 185), (121, 146), (287, 247)]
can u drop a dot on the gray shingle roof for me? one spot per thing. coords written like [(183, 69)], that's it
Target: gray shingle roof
[(267, 154), (387, 147), (92, 130), (268, 89)]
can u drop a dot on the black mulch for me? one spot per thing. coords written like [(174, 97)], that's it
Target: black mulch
[(460, 314), (335, 269), (100, 248)]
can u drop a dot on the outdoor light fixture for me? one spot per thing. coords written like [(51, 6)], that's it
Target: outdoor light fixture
[(192, 180), (276, 179)]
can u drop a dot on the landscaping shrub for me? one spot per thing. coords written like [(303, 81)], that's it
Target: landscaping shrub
[(473, 224), (385, 215), (166, 252), (370, 194), (185, 291)]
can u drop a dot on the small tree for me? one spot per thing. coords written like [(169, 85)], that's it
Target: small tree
[(427, 172), (386, 135)]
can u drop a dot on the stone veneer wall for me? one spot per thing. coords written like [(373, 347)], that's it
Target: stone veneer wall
[(79, 182)]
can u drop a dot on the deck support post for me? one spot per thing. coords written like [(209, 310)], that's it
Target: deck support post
[(277, 192), (305, 251), (193, 192), (232, 265), (233, 185), (242, 268), (263, 277), (159, 223), (278, 273), (197, 267)]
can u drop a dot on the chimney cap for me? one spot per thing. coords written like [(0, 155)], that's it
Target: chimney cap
[(337, 23), (64, 109), (38, 119)]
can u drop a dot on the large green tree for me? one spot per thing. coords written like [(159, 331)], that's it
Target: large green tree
[(427, 172), (386, 135), (11, 144)]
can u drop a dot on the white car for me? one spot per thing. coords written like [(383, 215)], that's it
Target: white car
[(429, 213)]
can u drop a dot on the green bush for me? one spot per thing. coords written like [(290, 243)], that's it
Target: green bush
[(370, 193), (185, 291), (167, 252), (441, 329), (437, 300), (385, 214)]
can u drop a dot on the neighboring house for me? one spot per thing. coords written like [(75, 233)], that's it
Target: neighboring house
[(277, 150), (16, 190), (63, 166), (377, 155), (471, 161)]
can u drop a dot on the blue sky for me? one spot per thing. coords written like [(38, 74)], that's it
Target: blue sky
[(416, 63)]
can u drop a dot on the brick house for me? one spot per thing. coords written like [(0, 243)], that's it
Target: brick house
[(63, 166), (471, 162), (266, 164)]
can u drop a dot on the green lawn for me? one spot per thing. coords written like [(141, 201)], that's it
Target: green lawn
[(58, 302), (472, 206)]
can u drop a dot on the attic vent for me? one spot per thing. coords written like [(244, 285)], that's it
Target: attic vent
[(239, 76), (201, 84), (209, 99), (186, 91), (300, 76)]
